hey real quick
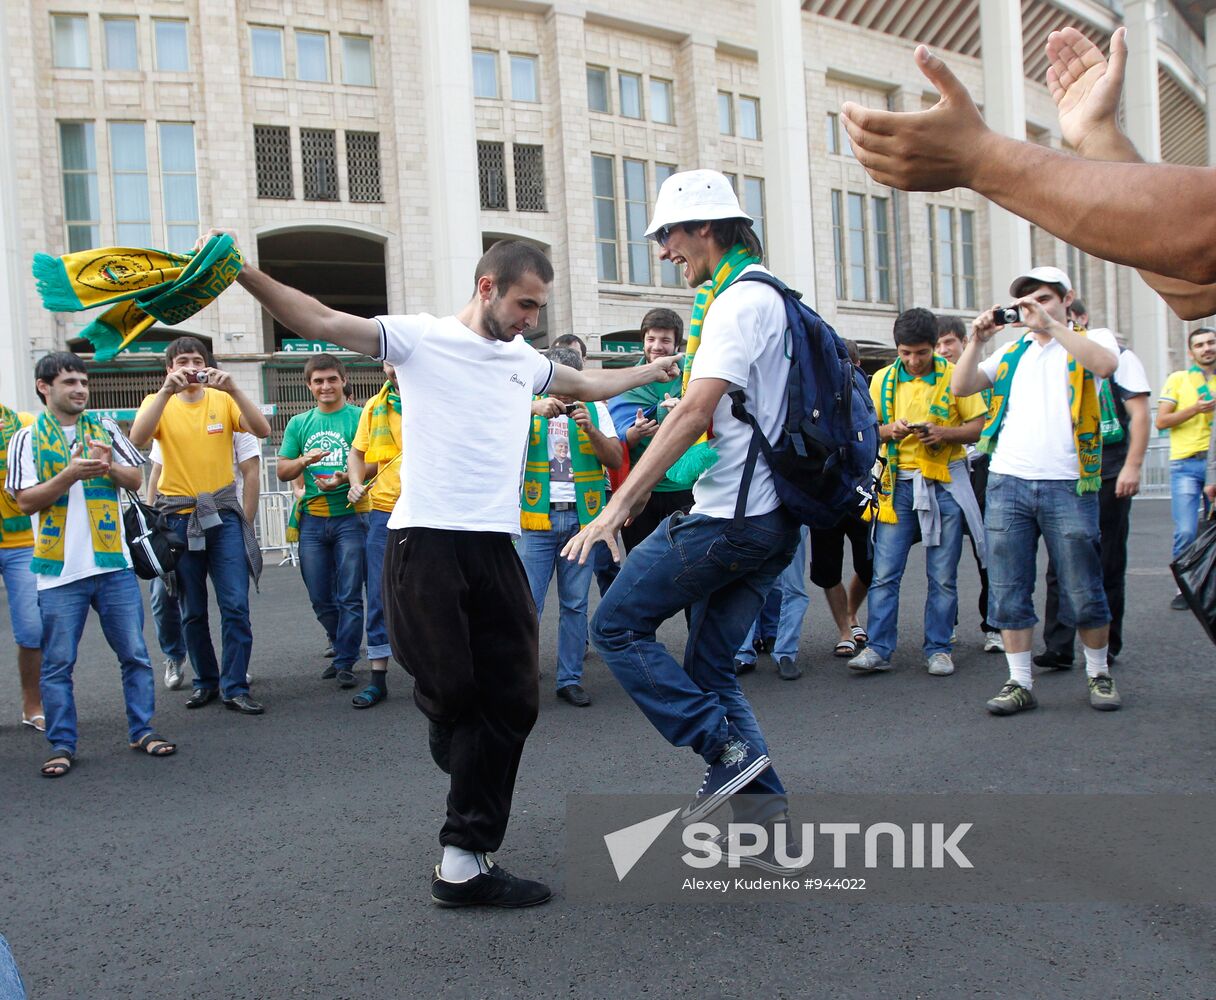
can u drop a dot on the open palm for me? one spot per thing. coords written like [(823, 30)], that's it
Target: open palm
[(1085, 87)]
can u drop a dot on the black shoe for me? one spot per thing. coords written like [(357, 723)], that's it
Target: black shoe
[(744, 667), (329, 673), (1179, 602), (439, 738), (788, 669), (1053, 661), (575, 695), (244, 704), (764, 645), (201, 697), (497, 887), (346, 679)]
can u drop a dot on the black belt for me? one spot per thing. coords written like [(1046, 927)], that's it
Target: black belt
[(563, 506)]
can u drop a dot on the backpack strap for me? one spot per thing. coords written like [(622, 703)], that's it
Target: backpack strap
[(759, 443)]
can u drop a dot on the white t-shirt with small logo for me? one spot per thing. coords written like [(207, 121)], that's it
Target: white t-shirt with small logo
[(466, 410)]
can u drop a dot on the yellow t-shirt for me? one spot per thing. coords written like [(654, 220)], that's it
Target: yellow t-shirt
[(912, 401), (387, 486), (18, 539), (1193, 436), (196, 443)]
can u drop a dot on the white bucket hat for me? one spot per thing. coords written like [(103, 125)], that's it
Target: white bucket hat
[(695, 196)]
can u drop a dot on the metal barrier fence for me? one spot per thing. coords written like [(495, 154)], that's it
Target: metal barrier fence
[(274, 511), (1155, 473)]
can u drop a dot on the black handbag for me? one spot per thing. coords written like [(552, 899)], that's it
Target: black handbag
[(155, 547), (1195, 573)]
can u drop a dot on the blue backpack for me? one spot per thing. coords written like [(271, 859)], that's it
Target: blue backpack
[(823, 459)]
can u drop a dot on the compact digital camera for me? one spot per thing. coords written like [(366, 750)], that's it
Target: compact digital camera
[(199, 378), (1005, 315)]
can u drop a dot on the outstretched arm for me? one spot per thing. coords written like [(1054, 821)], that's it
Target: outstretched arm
[(604, 383)]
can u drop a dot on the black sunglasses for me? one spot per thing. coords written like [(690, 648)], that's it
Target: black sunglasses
[(662, 235)]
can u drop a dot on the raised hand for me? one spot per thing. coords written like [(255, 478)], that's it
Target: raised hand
[(1086, 87)]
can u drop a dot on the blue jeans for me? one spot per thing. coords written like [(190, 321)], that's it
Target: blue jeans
[(723, 571), (120, 606), (11, 986), (223, 560), (378, 647), (892, 543), (540, 552), (21, 586), (167, 617), (333, 563), (1017, 512), (792, 601), (1186, 498)]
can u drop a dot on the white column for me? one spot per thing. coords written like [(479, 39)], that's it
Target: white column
[(1147, 330), (1209, 34), (1005, 112), (787, 169), (447, 81)]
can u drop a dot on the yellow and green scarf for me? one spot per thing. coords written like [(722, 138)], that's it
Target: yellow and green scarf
[(140, 287), (383, 433), (701, 457), (51, 455), (1083, 405), (588, 474), (12, 521), (933, 463)]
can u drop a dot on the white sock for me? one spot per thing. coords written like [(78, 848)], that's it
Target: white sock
[(1019, 668), (1095, 661), (459, 865)]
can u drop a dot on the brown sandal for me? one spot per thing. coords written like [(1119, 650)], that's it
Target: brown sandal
[(58, 764), (162, 747)]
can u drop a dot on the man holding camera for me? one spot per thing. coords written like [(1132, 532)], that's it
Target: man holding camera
[(569, 447), (925, 491), (194, 417), (1044, 437)]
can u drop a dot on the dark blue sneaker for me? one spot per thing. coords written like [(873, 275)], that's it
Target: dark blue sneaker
[(737, 765)]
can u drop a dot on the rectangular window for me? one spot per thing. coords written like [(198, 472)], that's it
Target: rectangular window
[(267, 47), (661, 108), (733, 181), (129, 175), (272, 157), (726, 114), (630, 85), (838, 243), (1034, 243), (942, 256), (524, 85), (529, 178), (70, 35), (753, 203), (81, 205), (492, 175), (179, 179), (833, 133), (597, 89), (882, 248), (859, 256), (603, 189), (319, 164), (122, 42), (966, 225), (363, 166), (312, 56), (669, 276), (749, 117), (172, 46), (357, 61), (485, 73), (635, 222)]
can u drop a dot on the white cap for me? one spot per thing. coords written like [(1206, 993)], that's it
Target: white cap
[(1036, 276), (695, 196)]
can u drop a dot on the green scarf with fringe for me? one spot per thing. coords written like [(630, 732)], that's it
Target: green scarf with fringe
[(12, 521)]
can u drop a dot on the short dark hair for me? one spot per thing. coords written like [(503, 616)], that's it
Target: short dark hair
[(915, 326), (851, 347), (510, 260), (572, 340), (567, 356), (188, 345), (660, 318), (50, 366), (1077, 308), (951, 324), (1190, 337), (323, 363)]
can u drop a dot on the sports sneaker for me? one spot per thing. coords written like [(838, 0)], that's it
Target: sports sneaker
[(1102, 693), (1179, 602), (737, 765), (497, 887), (329, 651), (993, 643), (940, 665), (329, 673), (767, 859), (788, 669), (173, 673), (1051, 659), (954, 635), (1012, 699), (868, 661)]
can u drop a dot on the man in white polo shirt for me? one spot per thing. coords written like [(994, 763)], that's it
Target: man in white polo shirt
[(1045, 441)]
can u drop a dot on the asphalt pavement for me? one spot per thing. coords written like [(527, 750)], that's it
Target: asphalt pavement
[(290, 855)]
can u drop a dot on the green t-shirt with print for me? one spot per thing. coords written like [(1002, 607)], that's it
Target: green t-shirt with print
[(333, 434)]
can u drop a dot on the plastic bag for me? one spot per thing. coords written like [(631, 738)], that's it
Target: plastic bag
[(1195, 573)]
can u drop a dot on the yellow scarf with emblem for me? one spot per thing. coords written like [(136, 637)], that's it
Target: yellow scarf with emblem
[(13, 523)]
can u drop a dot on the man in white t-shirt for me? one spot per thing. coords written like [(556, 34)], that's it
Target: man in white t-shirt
[(457, 604), (1045, 440), (720, 564), (65, 469)]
